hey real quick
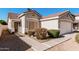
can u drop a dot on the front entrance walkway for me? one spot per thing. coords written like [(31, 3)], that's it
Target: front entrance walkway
[(37, 46)]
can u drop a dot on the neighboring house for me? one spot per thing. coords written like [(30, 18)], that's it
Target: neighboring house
[(76, 22), (65, 21)]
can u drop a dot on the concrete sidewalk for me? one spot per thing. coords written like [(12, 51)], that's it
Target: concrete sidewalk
[(70, 45), (37, 46), (57, 41)]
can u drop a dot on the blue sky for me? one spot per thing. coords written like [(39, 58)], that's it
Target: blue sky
[(42, 11)]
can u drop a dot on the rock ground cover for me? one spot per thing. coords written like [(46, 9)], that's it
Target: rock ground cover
[(11, 42)]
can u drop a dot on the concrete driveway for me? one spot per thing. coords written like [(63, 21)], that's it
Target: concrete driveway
[(70, 45)]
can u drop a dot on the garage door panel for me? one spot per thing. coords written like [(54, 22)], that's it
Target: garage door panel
[(65, 27)]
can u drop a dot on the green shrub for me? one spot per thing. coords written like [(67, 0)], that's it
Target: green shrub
[(41, 33), (53, 33), (77, 38), (3, 22)]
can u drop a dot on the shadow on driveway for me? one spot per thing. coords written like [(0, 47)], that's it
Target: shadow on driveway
[(11, 42)]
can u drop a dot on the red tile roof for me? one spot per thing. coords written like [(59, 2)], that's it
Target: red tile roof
[(34, 11), (53, 15), (13, 15)]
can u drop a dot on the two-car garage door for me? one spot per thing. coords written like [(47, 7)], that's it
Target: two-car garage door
[(65, 27)]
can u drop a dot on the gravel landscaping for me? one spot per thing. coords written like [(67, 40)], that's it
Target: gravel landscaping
[(11, 42)]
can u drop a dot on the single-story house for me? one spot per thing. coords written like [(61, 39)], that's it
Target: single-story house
[(65, 21), (29, 20)]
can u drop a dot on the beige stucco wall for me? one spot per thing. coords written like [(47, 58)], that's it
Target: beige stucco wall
[(25, 22), (51, 24), (66, 23), (22, 27), (31, 17), (11, 25)]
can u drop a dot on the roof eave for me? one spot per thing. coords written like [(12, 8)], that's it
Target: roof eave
[(22, 14), (49, 18)]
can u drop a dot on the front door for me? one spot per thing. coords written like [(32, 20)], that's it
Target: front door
[(16, 26)]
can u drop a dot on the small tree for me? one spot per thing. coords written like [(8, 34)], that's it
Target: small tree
[(3, 22)]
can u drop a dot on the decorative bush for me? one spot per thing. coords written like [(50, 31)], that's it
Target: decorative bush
[(53, 33), (3, 22), (41, 33), (77, 38)]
